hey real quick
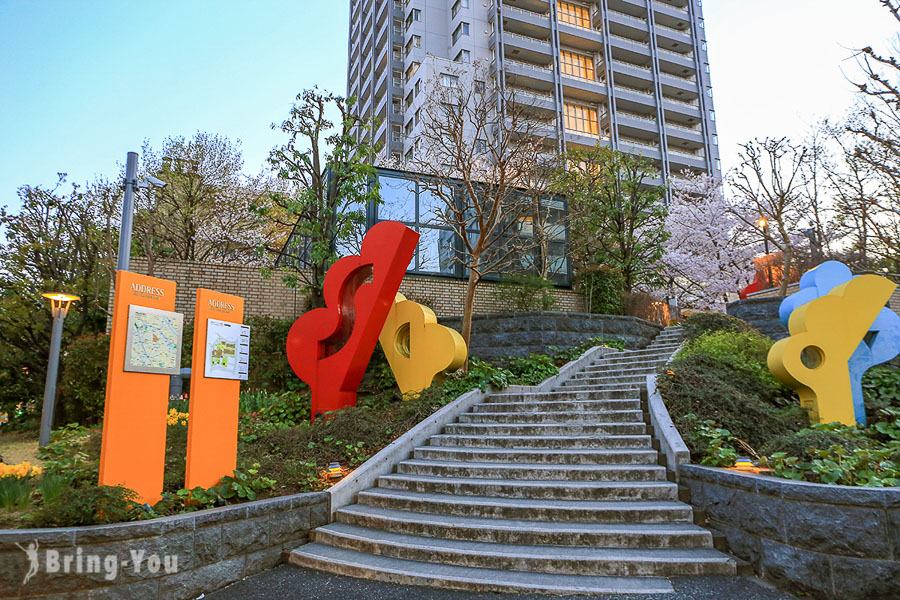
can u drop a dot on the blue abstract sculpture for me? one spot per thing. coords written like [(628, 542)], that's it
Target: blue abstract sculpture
[(881, 343)]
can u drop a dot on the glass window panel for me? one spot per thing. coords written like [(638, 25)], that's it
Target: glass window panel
[(432, 203), (398, 199), (573, 14), (436, 251)]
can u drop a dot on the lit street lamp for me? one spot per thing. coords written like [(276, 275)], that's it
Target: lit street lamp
[(59, 306), (764, 225)]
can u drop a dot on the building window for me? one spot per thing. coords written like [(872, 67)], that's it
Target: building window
[(576, 65), (480, 147), (459, 5), (464, 56), (582, 119), (414, 15), (398, 27), (398, 197), (461, 30), (397, 78), (450, 81), (573, 14), (712, 115), (414, 42), (715, 139), (479, 86), (417, 89), (413, 67)]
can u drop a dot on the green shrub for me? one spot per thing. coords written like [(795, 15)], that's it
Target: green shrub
[(531, 369), (743, 350), (561, 357), (699, 388), (807, 442), (705, 322), (89, 505), (526, 292), (52, 487), (881, 390), (603, 289), (82, 384), (15, 492)]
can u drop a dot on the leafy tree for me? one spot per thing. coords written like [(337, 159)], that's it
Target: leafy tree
[(323, 172), (487, 169), (203, 213), (56, 241), (706, 256), (616, 216)]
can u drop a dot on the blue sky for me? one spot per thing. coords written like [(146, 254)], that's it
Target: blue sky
[(84, 81)]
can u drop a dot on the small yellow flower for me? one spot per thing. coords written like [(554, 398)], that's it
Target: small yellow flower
[(176, 418), (19, 471)]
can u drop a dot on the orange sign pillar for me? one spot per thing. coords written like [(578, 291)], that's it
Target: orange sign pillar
[(133, 451), (213, 422)]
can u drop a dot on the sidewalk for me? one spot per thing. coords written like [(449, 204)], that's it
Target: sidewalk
[(288, 581)]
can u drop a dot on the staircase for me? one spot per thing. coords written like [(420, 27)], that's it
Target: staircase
[(556, 492)]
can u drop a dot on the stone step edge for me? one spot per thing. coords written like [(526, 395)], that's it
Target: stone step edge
[(409, 572)]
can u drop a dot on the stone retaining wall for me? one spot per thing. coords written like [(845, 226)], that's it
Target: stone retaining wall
[(518, 334), (213, 547), (834, 542), (761, 313)]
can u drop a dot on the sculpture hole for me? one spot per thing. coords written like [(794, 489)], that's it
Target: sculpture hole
[(812, 357), (402, 340)]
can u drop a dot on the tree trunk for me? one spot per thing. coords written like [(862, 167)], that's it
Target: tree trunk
[(786, 274), (468, 309)]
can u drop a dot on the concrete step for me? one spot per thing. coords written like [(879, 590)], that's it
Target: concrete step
[(483, 507), (632, 360), (582, 385), (499, 488), (394, 570), (558, 405), (545, 442), (608, 562), (623, 371), (561, 395), (594, 416), (509, 531), (534, 472), (544, 429), (614, 384), (561, 456), (602, 375)]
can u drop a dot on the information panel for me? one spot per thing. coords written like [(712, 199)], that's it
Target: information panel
[(227, 350), (153, 343)]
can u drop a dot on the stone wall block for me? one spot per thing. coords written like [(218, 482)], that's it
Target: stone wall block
[(881, 582), (836, 529), (795, 568)]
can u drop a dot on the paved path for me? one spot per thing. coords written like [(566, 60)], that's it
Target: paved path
[(290, 582)]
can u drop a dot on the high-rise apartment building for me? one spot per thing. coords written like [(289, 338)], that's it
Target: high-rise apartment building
[(633, 74)]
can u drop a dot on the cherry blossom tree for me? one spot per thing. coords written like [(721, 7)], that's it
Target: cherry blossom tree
[(706, 255)]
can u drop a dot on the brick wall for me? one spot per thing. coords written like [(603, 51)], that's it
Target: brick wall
[(271, 298)]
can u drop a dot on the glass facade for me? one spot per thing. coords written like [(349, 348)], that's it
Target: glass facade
[(410, 202)]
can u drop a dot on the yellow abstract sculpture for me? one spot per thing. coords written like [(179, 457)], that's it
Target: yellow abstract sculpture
[(824, 334), (417, 348)]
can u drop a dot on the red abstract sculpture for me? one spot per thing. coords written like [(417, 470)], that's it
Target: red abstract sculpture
[(329, 348)]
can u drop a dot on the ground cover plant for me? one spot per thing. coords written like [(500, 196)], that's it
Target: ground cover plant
[(279, 451), (726, 404)]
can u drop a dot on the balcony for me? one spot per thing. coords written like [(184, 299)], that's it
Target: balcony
[(528, 75), (675, 59)]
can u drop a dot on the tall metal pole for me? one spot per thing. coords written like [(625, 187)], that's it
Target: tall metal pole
[(127, 212), (59, 315)]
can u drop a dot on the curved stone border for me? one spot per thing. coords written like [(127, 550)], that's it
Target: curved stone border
[(213, 547), (828, 541), (344, 492), (670, 442)]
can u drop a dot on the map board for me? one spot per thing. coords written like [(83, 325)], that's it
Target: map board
[(227, 350), (153, 343)]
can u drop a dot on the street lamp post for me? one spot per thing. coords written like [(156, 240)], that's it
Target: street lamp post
[(764, 225), (125, 230), (59, 307)]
